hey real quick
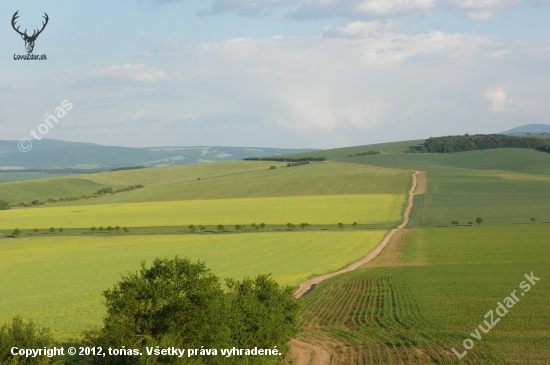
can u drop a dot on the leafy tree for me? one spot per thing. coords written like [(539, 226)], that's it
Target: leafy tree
[(109, 228), (105, 191), (354, 224), (220, 228), (4, 205), (272, 167), (173, 303), (201, 228), (302, 226), (290, 226), (238, 227), (253, 225), (182, 304), (533, 220), (25, 335), (471, 223), (60, 230), (341, 225), (117, 228), (262, 226), (454, 223), (192, 228), (261, 314), (35, 202), (52, 230), (100, 229), (35, 230), (126, 230), (479, 220), (16, 232), (92, 229)]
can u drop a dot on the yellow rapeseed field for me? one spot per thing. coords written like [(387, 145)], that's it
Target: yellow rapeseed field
[(58, 281), (326, 209)]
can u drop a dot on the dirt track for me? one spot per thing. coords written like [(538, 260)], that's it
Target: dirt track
[(307, 285), (305, 353)]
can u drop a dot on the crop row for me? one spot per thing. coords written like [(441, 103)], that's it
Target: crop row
[(371, 317)]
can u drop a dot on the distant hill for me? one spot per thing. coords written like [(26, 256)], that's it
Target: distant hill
[(529, 128), (54, 154)]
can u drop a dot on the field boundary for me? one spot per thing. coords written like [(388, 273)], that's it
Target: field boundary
[(308, 285)]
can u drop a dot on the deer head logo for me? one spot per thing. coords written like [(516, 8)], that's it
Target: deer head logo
[(29, 40)]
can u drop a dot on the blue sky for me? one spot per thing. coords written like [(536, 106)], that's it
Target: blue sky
[(275, 73)]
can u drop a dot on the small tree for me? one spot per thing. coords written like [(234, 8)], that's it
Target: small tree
[(201, 228), (126, 230), (272, 167), (238, 227), (290, 226), (471, 223), (100, 229), (533, 220), (92, 229), (60, 230), (479, 220), (454, 223), (4, 205), (341, 225), (109, 228), (192, 228), (117, 228), (354, 224), (16, 232), (35, 230), (220, 228), (302, 226), (25, 334), (253, 225), (52, 230), (262, 225)]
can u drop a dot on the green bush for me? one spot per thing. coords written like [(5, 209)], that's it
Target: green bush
[(25, 335)]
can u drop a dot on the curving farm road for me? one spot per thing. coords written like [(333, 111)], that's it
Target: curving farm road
[(305, 353)]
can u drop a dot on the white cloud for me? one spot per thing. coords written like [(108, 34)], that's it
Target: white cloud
[(356, 9), (356, 76), (142, 115), (479, 9), (360, 29), (116, 74), (502, 103)]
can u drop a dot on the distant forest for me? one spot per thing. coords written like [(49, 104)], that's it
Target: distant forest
[(467, 142)]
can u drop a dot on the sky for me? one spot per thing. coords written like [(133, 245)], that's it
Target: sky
[(273, 73)]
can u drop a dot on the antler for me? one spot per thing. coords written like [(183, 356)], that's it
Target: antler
[(15, 16), (43, 25)]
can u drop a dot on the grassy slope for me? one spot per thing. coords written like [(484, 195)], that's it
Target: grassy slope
[(327, 209), (343, 152), (464, 186), (426, 297), (58, 281), (232, 179)]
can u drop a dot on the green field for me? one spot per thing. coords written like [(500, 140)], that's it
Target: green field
[(502, 186), (324, 209), (58, 281), (425, 295), (232, 179)]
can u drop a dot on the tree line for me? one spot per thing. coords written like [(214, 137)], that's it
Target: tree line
[(285, 159), (449, 144), (107, 190)]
